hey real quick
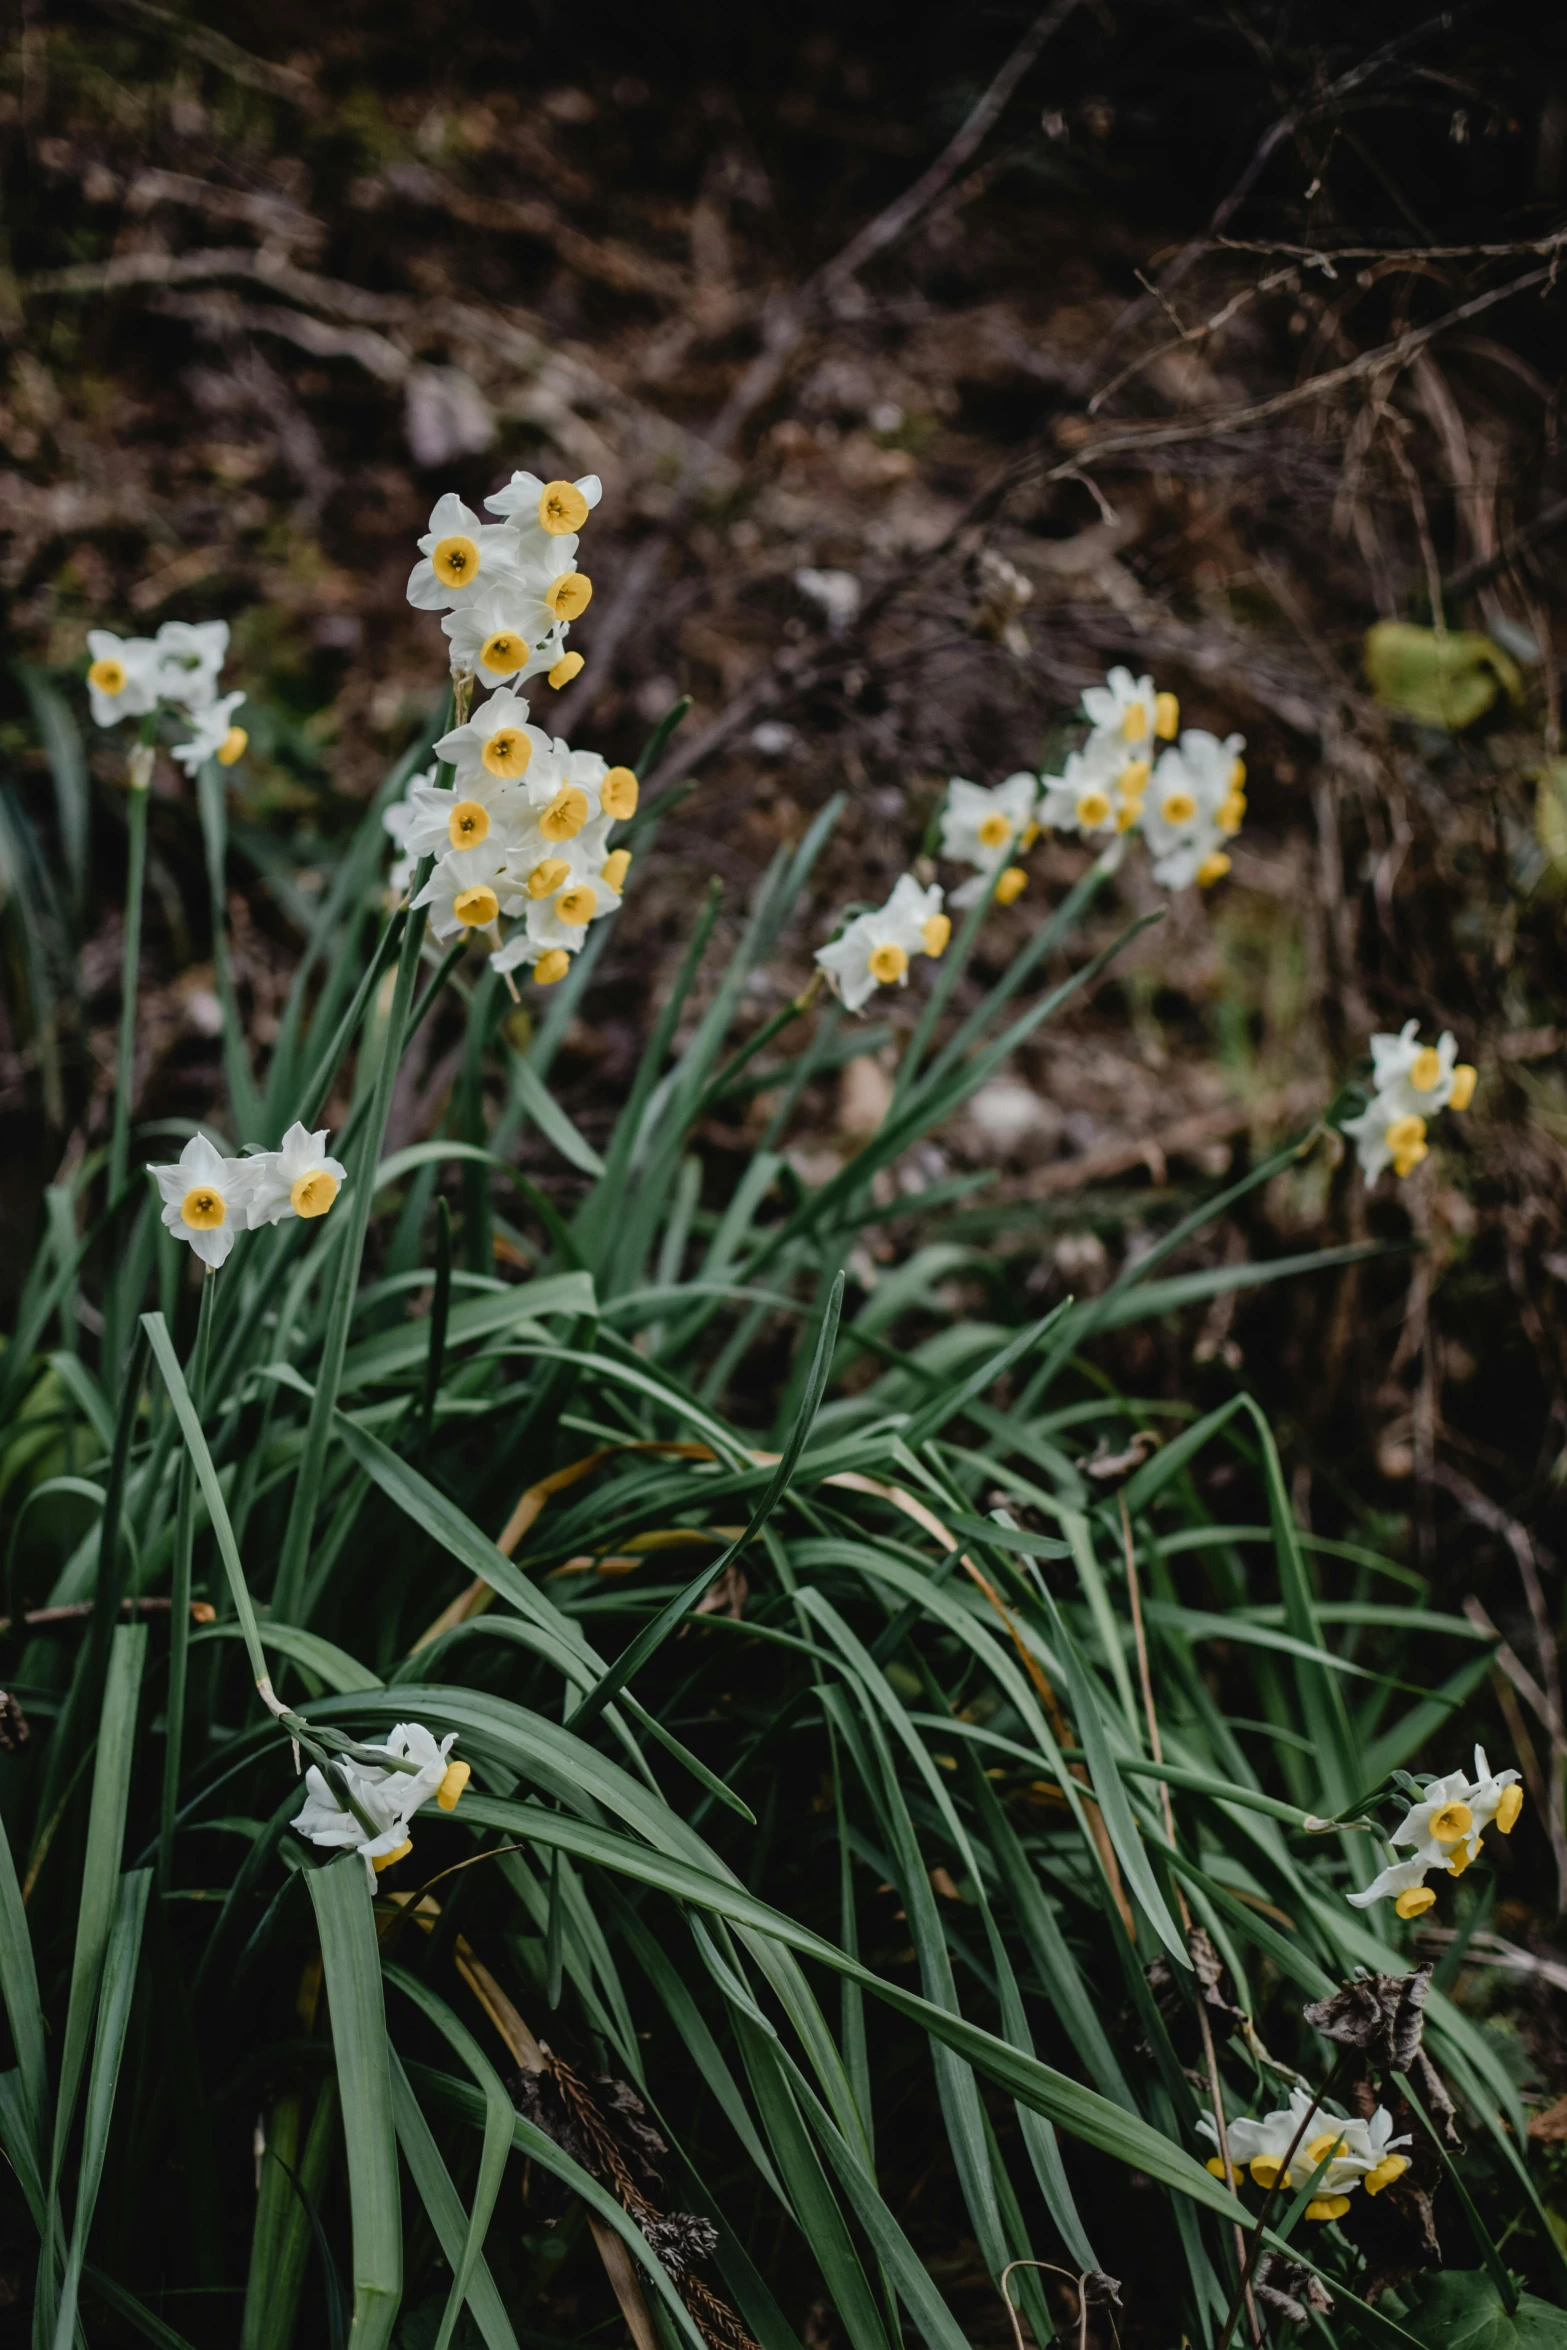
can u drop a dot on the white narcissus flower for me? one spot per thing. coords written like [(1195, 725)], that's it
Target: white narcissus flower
[(980, 827), (506, 632), (122, 681), (1445, 1828), (301, 1179), (1357, 2152), (206, 1198), (214, 735), (1194, 803), (568, 888), (1086, 796), (874, 950), (460, 557), (389, 1797), (543, 511), (1386, 1135), (1127, 709), (189, 657), (468, 891), (497, 742), (477, 814), (397, 821), (1421, 1078)]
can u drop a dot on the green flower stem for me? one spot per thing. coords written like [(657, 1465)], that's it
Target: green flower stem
[(244, 1100), (179, 1599), (289, 1589), (139, 770)]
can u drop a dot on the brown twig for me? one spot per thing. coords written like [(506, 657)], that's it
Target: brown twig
[(78, 1610)]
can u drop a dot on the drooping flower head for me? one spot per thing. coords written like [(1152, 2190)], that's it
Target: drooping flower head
[(301, 1179), (1304, 2135), (387, 1796), (1445, 1829), (1411, 1082)]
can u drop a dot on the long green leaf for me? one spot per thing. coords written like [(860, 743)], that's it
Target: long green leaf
[(351, 1964)]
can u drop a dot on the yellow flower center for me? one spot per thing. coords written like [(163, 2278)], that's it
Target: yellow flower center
[(551, 967), (1134, 723), (503, 652), (1415, 1902), (1462, 1856), (1166, 717), (888, 962), (546, 879), (457, 1776), (570, 595), (1391, 2167), (1127, 814), (455, 561), (386, 1860), (468, 824), (1093, 809), (1425, 1070), (1406, 1139), (616, 866), (562, 507), (577, 904), (508, 753), (1464, 1080), (108, 676), (203, 1209), (566, 668), (1507, 1810), (1232, 812), (314, 1193), (232, 746), (1238, 776), (566, 814), (1327, 2207), (994, 830), (619, 793), (1132, 781), (1451, 1822), (1011, 885), (1177, 807), (1266, 2169), (476, 907), (936, 933), (1320, 2148), (1212, 869)]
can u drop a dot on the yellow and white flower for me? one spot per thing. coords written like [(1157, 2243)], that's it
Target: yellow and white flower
[(507, 633), (122, 679), (498, 741), (460, 557), (206, 1198), (301, 1179), (874, 950), (387, 1796), (214, 735), (476, 814), (469, 890), (568, 886), (1445, 1828), (1357, 2152), (1411, 1082), (1126, 712), (1195, 803), (546, 514), (1086, 796), (397, 821), (982, 828)]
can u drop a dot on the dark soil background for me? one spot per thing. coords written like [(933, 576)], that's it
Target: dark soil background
[(261, 302)]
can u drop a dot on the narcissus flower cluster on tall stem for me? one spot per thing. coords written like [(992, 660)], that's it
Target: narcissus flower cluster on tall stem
[(1410, 1083), (1445, 1828), (517, 821)]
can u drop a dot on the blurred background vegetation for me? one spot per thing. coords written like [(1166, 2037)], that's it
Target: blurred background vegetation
[(1238, 333)]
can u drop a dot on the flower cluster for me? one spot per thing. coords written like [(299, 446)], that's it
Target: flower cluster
[(1358, 2153), (1410, 1082), (387, 1795), (1445, 1827), (209, 1199), (178, 670), (522, 827), (873, 950), (1187, 799)]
